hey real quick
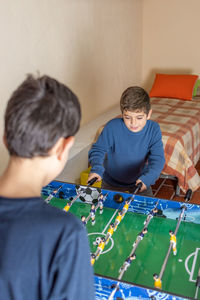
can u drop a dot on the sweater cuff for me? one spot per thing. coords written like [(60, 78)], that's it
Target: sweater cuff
[(147, 182), (97, 169)]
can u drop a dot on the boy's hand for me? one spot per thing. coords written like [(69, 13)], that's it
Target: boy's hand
[(92, 175), (143, 188)]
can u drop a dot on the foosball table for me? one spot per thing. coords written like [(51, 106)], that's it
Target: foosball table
[(141, 247)]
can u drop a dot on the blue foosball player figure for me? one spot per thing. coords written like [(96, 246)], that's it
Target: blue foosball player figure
[(100, 201), (127, 262), (83, 219), (142, 234), (152, 213), (92, 213)]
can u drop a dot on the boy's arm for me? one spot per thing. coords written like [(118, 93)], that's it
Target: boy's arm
[(155, 160), (98, 151), (72, 274)]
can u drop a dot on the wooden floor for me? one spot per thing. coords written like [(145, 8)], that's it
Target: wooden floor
[(165, 189)]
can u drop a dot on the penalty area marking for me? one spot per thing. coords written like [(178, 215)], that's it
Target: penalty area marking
[(191, 272), (103, 233), (112, 242)]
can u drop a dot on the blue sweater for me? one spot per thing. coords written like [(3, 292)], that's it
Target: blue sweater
[(44, 253), (120, 156)]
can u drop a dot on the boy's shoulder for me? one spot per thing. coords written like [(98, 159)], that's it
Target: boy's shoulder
[(60, 217), (153, 124), (42, 216), (115, 122)]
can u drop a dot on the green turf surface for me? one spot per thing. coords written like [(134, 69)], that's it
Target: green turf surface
[(150, 252)]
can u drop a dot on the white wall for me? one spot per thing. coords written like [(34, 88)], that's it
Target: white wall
[(170, 38), (95, 47)]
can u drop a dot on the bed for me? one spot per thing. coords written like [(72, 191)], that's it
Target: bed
[(180, 125)]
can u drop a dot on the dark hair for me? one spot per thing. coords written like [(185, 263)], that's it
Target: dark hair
[(135, 98), (39, 112)]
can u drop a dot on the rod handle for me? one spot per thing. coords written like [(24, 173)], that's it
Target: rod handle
[(188, 195), (92, 181), (137, 187)]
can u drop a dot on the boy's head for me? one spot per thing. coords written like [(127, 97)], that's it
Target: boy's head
[(135, 99), (135, 107), (39, 113)]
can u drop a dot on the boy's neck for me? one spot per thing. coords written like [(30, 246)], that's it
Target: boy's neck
[(23, 178)]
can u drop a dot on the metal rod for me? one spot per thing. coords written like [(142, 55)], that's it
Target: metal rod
[(48, 199), (114, 291), (170, 246), (197, 284), (135, 245), (165, 262)]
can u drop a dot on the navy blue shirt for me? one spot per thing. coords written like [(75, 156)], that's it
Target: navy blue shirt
[(44, 253)]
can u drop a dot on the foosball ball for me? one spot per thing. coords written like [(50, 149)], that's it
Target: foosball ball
[(141, 247)]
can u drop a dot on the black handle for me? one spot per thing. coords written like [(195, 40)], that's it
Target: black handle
[(188, 195), (92, 181), (137, 187)]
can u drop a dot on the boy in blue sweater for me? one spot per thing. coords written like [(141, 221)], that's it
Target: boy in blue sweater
[(44, 251), (129, 149)]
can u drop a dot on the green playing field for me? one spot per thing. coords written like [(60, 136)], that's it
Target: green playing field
[(181, 270)]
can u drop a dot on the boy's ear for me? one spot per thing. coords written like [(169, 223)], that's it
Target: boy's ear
[(63, 146), (149, 114)]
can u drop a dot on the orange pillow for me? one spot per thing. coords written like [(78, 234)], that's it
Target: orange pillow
[(173, 86)]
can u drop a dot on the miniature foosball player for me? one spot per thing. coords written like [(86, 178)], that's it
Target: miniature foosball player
[(92, 213), (100, 201), (152, 213), (142, 234), (83, 219), (118, 220), (109, 232), (92, 259), (125, 208), (157, 281), (173, 241), (67, 206), (100, 247), (127, 262)]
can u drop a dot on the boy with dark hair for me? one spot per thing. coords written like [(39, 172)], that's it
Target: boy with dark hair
[(129, 149), (44, 251)]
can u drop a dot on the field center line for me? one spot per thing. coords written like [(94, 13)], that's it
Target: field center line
[(109, 221)]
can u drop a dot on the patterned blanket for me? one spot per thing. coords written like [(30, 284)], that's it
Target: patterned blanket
[(180, 125)]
